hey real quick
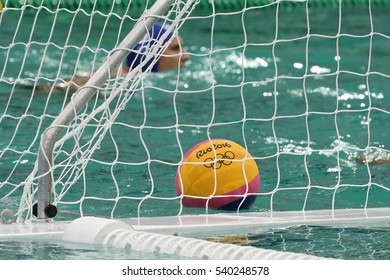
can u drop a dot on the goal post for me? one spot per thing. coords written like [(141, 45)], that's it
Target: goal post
[(278, 77), (45, 155)]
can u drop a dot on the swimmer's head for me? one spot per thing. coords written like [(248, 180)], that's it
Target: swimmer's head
[(138, 56), (1, 5)]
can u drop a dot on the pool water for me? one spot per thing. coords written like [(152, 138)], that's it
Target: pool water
[(58, 250), (304, 106), (327, 242)]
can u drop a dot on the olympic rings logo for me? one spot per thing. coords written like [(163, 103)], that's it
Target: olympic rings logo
[(220, 159)]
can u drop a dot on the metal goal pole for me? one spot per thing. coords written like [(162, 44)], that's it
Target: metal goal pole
[(44, 209)]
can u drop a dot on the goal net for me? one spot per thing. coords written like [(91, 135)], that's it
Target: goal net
[(300, 85)]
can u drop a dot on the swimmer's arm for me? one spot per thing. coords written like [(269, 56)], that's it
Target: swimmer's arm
[(373, 160)]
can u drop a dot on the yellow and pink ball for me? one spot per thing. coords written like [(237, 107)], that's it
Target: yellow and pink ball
[(219, 174)]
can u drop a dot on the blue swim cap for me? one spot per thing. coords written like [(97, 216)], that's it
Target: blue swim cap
[(137, 56)]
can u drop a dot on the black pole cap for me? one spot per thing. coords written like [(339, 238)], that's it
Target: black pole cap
[(50, 210), (35, 209)]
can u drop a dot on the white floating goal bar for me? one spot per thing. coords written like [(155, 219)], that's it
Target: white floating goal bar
[(112, 233), (216, 224), (231, 223)]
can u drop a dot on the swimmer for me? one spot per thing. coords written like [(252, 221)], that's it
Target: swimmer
[(379, 157), (172, 58)]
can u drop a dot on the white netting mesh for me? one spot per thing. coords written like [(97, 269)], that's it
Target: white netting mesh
[(303, 90)]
